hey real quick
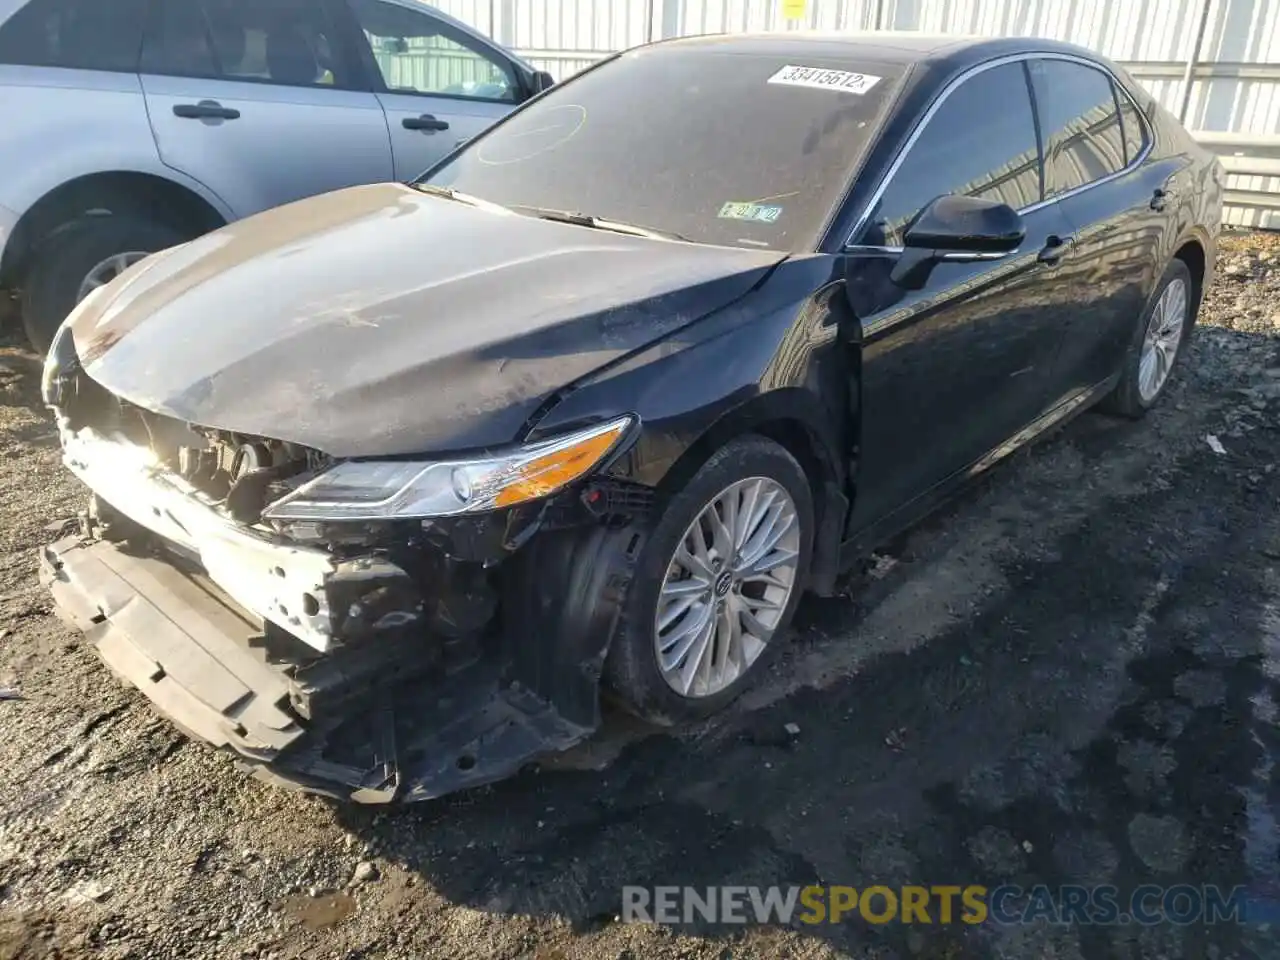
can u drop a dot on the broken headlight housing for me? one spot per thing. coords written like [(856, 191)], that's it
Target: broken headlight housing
[(415, 489), (61, 361)]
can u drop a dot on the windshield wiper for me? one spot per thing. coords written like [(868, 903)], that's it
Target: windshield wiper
[(451, 194), (599, 223)]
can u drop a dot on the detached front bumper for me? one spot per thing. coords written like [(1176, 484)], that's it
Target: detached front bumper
[(367, 724)]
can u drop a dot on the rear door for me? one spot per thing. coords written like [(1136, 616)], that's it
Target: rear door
[(70, 102), (952, 372), (1095, 142), (260, 100), (439, 84)]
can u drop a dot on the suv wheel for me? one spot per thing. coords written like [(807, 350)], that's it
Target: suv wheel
[(75, 260)]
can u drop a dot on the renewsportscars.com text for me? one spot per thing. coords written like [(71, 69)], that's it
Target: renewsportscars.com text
[(941, 904)]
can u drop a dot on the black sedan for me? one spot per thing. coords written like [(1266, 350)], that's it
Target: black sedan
[(390, 484)]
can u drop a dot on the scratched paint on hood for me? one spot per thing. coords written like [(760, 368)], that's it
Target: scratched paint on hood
[(381, 320)]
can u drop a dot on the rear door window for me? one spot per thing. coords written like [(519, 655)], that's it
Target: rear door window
[(1080, 123), (286, 42), (80, 34), (967, 147)]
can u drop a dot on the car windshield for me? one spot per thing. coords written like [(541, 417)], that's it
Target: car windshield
[(710, 144)]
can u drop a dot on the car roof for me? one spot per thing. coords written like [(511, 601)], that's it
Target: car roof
[(903, 47)]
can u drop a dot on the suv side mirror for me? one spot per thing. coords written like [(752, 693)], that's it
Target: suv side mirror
[(958, 229), (542, 81)]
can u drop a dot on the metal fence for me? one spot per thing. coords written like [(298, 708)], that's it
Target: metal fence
[(1214, 63)]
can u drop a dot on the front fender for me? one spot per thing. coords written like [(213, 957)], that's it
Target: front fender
[(773, 356)]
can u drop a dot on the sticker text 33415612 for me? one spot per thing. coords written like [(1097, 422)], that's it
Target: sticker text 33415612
[(824, 79)]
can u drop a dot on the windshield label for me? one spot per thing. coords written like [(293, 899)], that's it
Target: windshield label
[(823, 79), (759, 212)]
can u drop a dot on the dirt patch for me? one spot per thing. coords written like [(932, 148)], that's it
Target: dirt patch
[(1070, 675)]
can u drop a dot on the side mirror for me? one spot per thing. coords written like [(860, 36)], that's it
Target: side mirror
[(957, 229), (542, 81)]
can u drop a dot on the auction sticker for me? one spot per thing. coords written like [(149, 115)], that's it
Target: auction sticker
[(759, 212), (824, 79)]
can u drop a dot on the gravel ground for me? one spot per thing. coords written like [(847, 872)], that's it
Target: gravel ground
[(1069, 676)]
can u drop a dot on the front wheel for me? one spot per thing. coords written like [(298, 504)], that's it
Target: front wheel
[(716, 584), (1157, 343)]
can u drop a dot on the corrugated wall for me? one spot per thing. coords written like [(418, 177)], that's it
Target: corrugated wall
[(1235, 94)]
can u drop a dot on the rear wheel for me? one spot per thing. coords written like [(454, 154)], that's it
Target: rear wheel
[(716, 584), (80, 257), (1157, 343)]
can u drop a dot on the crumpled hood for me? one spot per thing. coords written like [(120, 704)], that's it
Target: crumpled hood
[(381, 321)]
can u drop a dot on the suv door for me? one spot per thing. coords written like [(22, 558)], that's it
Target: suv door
[(439, 83), (1095, 140), (69, 98), (260, 100), (951, 372)]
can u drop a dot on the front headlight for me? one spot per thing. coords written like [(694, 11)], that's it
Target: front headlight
[(404, 490)]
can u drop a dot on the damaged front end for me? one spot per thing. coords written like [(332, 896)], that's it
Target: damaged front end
[(372, 630)]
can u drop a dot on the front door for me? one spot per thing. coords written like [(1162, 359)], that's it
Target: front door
[(256, 100), (440, 85), (951, 372)]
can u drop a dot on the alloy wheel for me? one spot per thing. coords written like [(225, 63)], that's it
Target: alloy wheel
[(106, 271), (1162, 339), (727, 587)]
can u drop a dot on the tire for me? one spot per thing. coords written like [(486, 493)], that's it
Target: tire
[(633, 674), (63, 262), (1128, 399)]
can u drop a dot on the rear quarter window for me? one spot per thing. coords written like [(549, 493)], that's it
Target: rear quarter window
[(1135, 132), (78, 34)]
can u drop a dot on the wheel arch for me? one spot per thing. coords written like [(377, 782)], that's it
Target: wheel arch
[(146, 194), (778, 415), (1191, 250), (790, 417)]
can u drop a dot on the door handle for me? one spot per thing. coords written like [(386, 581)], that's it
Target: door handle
[(1160, 197), (205, 110), (425, 122), (1055, 248)]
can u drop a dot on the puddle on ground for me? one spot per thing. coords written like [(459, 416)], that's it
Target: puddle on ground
[(319, 912)]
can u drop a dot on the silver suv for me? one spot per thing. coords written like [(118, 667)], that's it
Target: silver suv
[(127, 126)]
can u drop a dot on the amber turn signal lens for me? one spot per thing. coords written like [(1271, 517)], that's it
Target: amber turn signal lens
[(546, 474)]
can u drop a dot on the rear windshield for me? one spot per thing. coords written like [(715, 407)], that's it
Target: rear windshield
[(730, 148)]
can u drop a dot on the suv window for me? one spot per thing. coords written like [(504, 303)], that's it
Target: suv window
[(1135, 134), (82, 34), (268, 41), (968, 147), (417, 53), (1080, 124)]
